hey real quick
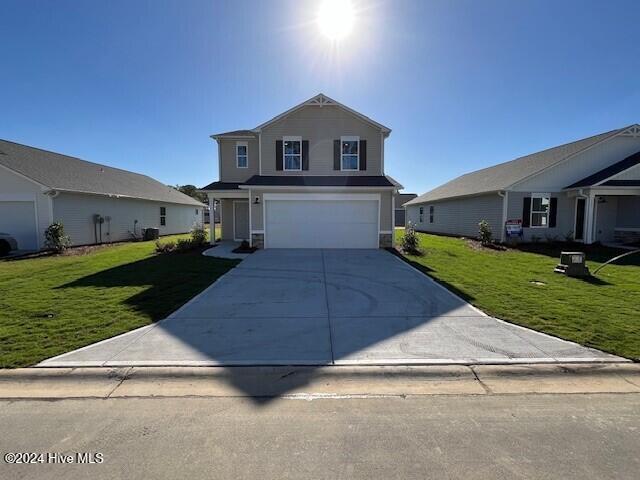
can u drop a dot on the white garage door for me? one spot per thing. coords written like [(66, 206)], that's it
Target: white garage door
[(18, 219), (321, 223)]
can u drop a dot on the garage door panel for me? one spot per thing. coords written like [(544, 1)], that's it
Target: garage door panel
[(321, 223), (18, 219)]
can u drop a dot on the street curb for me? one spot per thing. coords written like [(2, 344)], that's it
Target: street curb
[(318, 382)]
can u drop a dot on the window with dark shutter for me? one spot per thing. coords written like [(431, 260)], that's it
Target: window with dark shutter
[(336, 154), (553, 212), (163, 216), (278, 154), (305, 155), (526, 212), (363, 154)]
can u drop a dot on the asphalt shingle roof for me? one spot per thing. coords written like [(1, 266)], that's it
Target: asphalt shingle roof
[(65, 173), (502, 176)]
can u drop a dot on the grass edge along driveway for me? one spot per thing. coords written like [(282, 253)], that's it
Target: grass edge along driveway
[(51, 305), (519, 286)]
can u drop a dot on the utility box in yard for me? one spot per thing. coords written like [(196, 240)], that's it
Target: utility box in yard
[(573, 264)]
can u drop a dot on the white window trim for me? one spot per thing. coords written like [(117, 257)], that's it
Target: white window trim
[(349, 139), (541, 196), (246, 145), (284, 163)]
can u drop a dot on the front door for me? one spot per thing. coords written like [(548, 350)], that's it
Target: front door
[(580, 210), (240, 220)]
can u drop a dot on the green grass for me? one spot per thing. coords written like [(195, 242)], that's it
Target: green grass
[(51, 305), (603, 312)]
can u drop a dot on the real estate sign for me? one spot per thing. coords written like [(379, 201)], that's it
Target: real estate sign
[(514, 228)]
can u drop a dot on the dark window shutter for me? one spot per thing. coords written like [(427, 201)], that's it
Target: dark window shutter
[(278, 154), (362, 150), (553, 212), (526, 212), (336, 154), (305, 154)]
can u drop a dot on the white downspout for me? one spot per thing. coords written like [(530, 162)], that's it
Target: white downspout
[(250, 222), (505, 205), (212, 221)]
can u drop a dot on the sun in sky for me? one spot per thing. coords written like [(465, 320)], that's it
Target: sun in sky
[(335, 19)]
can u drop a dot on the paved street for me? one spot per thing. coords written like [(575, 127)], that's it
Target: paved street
[(417, 437), (323, 307)]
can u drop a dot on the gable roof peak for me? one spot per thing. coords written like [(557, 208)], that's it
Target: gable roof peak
[(320, 100)]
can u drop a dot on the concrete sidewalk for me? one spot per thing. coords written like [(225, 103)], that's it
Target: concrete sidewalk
[(267, 383)]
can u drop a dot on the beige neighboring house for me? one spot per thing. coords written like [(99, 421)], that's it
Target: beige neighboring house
[(587, 191), (39, 187), (311, 177)]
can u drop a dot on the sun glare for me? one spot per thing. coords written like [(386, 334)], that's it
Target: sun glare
[(335, 18)]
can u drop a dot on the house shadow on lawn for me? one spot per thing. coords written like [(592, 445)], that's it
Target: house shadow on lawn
[(595, 252), (235, 337), (171, 280)]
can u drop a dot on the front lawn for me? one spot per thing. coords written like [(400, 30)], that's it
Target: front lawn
[(521, 287), (51, 305)]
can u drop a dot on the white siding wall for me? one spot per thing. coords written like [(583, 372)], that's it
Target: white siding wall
[(632, 174), (13, 186), (76, 212), (582, 165), (459, 216)]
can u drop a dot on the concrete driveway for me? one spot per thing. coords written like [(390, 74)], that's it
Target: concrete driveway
[(318, 307)]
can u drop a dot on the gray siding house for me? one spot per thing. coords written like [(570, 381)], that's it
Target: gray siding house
[(39, 187), (311, 177), (401, 213), (587, 191)]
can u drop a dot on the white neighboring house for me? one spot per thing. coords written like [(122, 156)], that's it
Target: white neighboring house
[(587, 191), (38, 187)]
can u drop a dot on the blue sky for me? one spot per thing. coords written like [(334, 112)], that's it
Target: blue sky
[(463, 84)]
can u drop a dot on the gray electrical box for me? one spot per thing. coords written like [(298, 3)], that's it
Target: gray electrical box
[(573, 264)]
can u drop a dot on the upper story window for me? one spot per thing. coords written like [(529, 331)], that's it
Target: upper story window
[(350, 153), (540, 205), (292, 153), (242, 154)]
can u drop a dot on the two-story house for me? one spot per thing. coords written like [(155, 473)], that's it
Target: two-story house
[(311, 177)]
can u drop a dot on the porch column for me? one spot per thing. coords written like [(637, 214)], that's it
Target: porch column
[(590, 217), (212, 221)]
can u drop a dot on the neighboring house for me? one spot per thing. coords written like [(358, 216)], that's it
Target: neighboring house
[(400, 215), (312, 177), (38, 187), (588, 191)]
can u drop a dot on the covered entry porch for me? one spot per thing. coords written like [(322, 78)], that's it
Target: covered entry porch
[(231, 205), (607, 215)]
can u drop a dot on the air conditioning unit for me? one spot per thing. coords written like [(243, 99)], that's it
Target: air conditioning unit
[(151, 234)]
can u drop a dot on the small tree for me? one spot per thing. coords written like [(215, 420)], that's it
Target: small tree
[(485, 233), (55, 238), (198, 236), (410, 242)]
